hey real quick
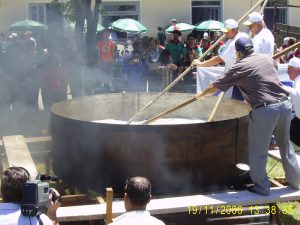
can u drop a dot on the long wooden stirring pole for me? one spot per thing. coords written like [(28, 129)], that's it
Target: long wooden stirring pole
[(221, 96), (189, 68), (191, 100), (159, 95)]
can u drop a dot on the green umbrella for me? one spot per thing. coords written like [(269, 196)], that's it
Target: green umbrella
[(212, 25), (71, 26), (184, 27), (27, 24), (129, 26)]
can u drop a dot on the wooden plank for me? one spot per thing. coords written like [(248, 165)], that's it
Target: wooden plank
[(181, 204), (109, 199), (34, 139), (18, 154), (100, 200), (275, 154), (276, 183)]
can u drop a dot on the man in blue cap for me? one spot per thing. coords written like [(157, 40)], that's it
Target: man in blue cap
[(256, 76)]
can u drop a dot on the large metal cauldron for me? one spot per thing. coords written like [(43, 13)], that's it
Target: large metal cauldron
[(178, 159)]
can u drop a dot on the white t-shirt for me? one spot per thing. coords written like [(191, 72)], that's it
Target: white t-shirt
[(10, 214), (263, 42), (228, 54), (137, 218), (295, 95)]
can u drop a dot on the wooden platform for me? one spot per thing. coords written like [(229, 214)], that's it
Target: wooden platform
[(18, 154), (275, 154), (181, 204)]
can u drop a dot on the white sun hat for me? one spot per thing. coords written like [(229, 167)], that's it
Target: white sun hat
[(294, 62), (229, 25), (253, 18)]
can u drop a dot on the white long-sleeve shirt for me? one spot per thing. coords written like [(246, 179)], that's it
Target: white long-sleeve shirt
[(263, 42), (295, 95)]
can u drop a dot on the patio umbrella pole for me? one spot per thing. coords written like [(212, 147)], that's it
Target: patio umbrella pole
[(190, 67)]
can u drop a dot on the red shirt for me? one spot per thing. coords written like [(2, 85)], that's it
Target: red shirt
[(106, 50)]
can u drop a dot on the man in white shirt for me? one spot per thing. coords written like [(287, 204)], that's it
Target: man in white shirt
[(262, 37), (294, 74), (12, 184), (228, 54), (136, 197)]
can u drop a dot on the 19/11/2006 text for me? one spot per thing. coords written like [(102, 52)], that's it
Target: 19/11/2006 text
[(237, 210)]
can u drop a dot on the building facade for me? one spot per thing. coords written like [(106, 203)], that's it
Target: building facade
[(153, 13)]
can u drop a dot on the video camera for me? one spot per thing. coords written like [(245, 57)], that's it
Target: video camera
[(35, 195)]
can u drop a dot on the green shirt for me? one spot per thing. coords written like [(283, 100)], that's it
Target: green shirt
[(175, 50)]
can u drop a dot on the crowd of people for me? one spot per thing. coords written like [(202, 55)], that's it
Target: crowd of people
[(145, 64)]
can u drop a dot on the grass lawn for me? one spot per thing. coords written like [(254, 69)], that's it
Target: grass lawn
[(289, 211)]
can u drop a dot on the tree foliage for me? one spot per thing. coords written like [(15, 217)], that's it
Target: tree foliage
[(78, 11)]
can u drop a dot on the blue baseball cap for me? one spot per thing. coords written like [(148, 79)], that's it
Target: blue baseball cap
[(244, 44)]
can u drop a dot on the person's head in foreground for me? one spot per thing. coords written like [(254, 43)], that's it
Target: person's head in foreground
[(137, 193), (243, 47), (12, 183)]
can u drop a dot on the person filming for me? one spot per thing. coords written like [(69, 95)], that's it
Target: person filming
[(12, 184)]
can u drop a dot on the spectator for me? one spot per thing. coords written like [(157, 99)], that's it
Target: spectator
[(135, 70), (217, 36), (166, 67), (54, 81), (220, 46), (27, 75), (205, 45), (136, 197), (175, 47), (152, 54), (291, 42), (174, 24), (191, 45), (161, 35), (296, 53), (107, 50), (13, 181)]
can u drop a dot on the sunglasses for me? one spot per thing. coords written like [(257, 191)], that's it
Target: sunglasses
[(190, 39)]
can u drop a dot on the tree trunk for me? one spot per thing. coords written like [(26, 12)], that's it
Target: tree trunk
[(79, 24), (92, 21)]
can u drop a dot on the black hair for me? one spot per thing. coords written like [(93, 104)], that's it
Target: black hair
[(164, 57), (12, 183), (190, 35), (138, 190)]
